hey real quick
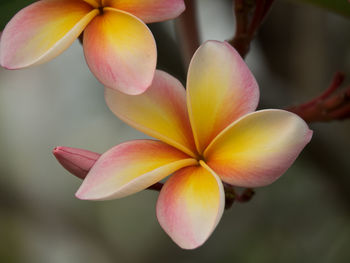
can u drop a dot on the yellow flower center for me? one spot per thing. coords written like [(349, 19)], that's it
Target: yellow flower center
[(100, 9), (200, 157)]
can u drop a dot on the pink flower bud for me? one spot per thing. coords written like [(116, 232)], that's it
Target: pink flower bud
[(76, 161)]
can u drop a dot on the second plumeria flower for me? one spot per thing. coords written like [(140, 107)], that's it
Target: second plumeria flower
[(119, 48), (208, 134)]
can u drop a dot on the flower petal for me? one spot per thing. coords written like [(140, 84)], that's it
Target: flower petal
[(257, 149), (190, 205), (42, 31), (94, 3), (131, 167), (159, 112), (220, 89), (149, 10), (121, 52)]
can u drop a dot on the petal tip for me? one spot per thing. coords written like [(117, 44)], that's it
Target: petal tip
[(9, 66), (85, 194), (90, 193), (87, 191), (185, 243), (5, 65), (57, 149), (133, 90), (79, 195), (217, 43), (309, 136), (128, 90), (182, 8), (192, 246)]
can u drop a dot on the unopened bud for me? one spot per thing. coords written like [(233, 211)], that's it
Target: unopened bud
[(76, 161)]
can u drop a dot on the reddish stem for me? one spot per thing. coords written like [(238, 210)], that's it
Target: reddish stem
[(187, 31), (332, 104), (338, 79), (241, 40), (246, 195), (257, 18), (231, 195), (268, 5), (249, 16)]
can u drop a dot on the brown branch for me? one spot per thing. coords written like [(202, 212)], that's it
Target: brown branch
[(187, 31), (241, 40), (249, 16), (332, 104), (257, 18)]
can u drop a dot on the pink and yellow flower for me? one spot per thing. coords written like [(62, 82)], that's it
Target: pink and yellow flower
[(119, 48), (208, 134)]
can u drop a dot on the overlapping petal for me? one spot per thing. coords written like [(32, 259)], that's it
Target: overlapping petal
[(42, 31), (190, 206), (94, 3), (258, 148), (220, 89), (159, 112), (131, 167), (149, 10), (121, 52)]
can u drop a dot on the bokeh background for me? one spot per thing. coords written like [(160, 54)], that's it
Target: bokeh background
[(303, 217)]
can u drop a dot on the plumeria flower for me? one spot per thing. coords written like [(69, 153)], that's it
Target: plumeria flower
[(119, 48), (208, 134)]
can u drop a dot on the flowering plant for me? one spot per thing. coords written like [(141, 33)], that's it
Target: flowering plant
[(204, 141)]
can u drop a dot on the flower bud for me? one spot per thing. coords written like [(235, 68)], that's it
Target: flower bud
[(76, 161)]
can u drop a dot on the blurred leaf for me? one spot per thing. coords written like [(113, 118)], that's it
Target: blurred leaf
[(338, 6)]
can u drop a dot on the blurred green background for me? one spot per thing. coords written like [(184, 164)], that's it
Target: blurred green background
[(303, 217)]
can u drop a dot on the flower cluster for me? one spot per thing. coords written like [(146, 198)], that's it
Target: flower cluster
[(207, 134)]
